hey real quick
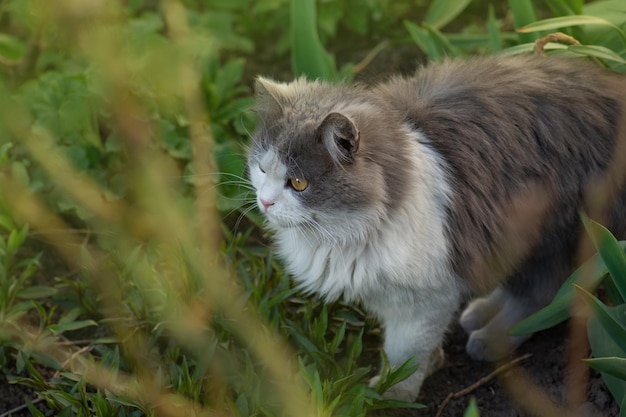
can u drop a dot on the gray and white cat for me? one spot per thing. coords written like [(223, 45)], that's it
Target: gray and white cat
[(466, 179)]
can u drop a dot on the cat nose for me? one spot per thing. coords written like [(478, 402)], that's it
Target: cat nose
[(266, 204)]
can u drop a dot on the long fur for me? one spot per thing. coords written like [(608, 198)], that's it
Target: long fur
[(423, 190)]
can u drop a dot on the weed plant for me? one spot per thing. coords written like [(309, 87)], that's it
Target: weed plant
[(123, 128)]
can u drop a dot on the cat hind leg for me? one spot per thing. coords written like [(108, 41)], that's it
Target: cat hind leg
[(491, 342)]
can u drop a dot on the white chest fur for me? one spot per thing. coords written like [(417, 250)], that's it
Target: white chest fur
[(406, 248)]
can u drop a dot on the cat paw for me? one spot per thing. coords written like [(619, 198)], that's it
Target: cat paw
[(482, 347), (480, 311)]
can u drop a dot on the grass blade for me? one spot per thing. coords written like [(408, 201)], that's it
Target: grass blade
[(423, 40), (569, 21), (308, 56), (493, 31), (598, 51), (523, 14), (442, 12)]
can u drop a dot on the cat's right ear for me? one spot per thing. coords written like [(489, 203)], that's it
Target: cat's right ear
[(340, 136), (269, 96)]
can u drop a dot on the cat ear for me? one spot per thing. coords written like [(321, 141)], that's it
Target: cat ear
[(340, 136), (269, 95)]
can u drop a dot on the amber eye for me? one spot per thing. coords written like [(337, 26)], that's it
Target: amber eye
[(298, 184)]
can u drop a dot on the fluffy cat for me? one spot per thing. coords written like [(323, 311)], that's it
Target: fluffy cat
[(414, 194)]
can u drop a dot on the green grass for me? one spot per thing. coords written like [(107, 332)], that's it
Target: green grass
[(123, 131)]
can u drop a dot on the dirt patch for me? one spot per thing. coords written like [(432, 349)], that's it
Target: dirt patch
[(546, 367)]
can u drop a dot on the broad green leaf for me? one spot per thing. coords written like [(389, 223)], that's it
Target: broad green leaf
[(523, 12), (308, 56), (11, 47), (614, 366), (70, 326), (442, 41), (576, 6), (6, 222), (442, 12), (589, 275), (603, 346), (614, 324), (431, 41), (556, 312), (423, 40), (609, 249), (561, 8), (35, 292)]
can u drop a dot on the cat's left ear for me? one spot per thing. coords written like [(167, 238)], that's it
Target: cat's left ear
[(269, 95), (340, 136)]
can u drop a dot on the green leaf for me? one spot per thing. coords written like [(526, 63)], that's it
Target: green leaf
[(442, 12), (11, 47), (423, 40), (603, 346), (614, 324), (60, 328), (609, 249), (493, 31), (431, 41), (569, 21), (308, 56), (35, 292), (614, 366), (561, 8), (34, 411), (523, 12), (526, 48), (383, 404), (472, 409), (589, 275), (597, 51)]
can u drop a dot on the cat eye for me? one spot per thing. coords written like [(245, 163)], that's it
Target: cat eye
[(298, 184)]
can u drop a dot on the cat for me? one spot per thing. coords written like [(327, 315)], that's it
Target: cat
[(414, 194)]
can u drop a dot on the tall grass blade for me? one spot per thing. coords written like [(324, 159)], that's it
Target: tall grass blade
[(569, 21), (597, 51), (561, 8), (493, 31), (523, 12), (308, 56), (423, 40), (442, 12)]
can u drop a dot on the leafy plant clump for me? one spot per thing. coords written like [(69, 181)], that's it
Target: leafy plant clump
[(606, 327)]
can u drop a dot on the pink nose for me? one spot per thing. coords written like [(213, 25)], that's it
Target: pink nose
[(266, 204)]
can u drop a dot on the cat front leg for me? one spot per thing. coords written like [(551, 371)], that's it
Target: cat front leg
[(415, 330)]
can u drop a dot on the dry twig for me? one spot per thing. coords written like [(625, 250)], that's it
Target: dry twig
[(482, 381)]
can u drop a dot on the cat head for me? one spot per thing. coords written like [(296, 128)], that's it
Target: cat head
[(312, 159)]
